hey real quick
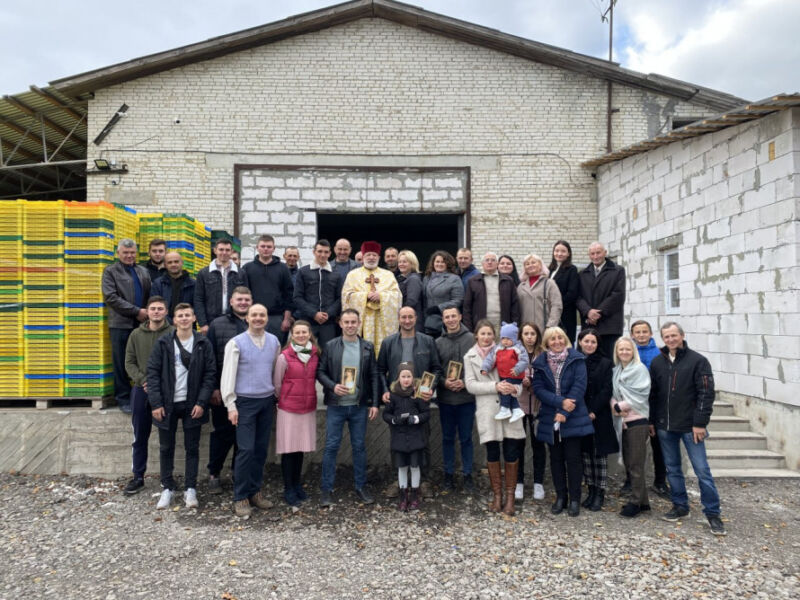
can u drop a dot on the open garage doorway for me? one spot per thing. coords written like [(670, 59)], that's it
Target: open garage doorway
[(423, 233)]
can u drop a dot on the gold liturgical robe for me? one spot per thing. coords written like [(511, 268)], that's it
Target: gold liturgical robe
[(380, 319)]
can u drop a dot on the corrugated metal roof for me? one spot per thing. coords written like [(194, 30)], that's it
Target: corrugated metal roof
[(742, 114), (39, 131)]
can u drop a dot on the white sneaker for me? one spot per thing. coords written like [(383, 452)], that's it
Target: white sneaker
[(538, 491), (516, 415), (164, 500), (504, 413), (190, 498), (519, 492)]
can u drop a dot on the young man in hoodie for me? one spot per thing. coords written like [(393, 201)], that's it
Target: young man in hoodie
[(456, 404), (137, 353), (175, 286), (271, 283)]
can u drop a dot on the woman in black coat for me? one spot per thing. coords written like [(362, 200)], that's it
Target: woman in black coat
[(565, 275), (410, 284), (596, 448)]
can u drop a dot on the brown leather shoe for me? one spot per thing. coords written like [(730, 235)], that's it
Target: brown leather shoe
[(496, 480), (259, 501), (241, 508), (511, 484)]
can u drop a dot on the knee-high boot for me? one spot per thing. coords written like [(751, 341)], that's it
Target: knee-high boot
[(511, 483), (496, 480)]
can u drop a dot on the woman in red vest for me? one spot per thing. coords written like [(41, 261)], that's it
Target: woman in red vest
[(296, 429)]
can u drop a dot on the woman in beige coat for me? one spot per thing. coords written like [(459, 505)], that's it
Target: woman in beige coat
[(492, 432), (539, 298)]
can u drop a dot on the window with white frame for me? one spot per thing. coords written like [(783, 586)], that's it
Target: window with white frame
[(672, 283)]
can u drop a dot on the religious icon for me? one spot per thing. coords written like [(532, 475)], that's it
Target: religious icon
[(425, 384), (454, 369), (349, 377), (372, 280)]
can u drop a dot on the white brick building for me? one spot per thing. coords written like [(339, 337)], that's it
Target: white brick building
[(715, 218), (377, 87)]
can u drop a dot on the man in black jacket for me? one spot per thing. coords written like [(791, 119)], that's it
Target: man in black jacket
[(681, 402), (602, 298), (271, 283), (126, 288), (490, 295), (176, 285), (180, 379), (353, 403), (222, 330), (318, 294), (155, 262), (215, 284), (409, 345)]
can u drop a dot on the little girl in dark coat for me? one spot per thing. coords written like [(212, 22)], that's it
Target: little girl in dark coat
[(405, 414)]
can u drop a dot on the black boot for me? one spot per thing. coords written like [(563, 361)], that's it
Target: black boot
[(558, 505), (597, 501), (590, 497), (574, 508)]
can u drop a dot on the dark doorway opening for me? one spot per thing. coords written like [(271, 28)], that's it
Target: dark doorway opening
[(423, 234)]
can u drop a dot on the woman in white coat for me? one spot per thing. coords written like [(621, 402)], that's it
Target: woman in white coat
[(491, 432)]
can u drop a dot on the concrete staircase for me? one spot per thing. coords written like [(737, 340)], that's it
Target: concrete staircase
[(734, 451)]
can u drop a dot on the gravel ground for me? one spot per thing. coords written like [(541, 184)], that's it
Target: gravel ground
[(78, 537)]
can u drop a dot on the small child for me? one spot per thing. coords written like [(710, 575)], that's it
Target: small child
[(405, 414), (511, 360)]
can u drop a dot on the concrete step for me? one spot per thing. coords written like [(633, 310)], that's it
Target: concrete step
[(727, 423), (736, 440), (744, 459), (723, 409), (754, 474)]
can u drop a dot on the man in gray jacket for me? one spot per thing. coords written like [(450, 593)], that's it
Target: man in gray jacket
[(126, 288), (456, 404)]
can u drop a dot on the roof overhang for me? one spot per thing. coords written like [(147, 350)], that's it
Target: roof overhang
[(742, 114), (412, 16)]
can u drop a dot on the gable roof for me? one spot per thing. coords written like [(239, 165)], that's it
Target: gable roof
[(412, 16)]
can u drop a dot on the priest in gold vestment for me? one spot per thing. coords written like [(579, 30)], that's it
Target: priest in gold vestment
[(374, 293)]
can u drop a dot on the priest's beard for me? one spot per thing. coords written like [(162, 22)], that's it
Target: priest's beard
[(370, 265)]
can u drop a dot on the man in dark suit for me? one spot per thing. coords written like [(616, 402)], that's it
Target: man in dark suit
[(602, 298)]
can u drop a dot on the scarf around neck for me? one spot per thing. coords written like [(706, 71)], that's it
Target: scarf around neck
[(632, 384), (303, 352), (484, 352), (556, 361)]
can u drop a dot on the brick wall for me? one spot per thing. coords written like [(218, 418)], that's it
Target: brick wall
[(375, 93), (728, 202)]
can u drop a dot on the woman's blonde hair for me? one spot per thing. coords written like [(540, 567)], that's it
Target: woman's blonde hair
[(545, 270), (411, 258), (552, 332), (635, 358)]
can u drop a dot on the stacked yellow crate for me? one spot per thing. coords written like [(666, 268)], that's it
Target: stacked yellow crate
[(88, 248), (43, 294), (149, 228), (11, 305)]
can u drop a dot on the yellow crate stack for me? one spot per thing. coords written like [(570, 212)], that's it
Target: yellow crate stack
[(148, 229), (178, 231), (88, 248), (11, 305), (126, 223), (202, 245), (43, 295)]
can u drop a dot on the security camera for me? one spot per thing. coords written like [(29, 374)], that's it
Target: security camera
[(176, 120)]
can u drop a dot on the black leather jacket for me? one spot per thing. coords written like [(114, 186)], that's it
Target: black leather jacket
[(329, 372), (426, 358)]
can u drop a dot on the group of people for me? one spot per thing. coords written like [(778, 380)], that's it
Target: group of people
[(241, 345)]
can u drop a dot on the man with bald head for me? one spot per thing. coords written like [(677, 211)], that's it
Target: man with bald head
[(341, 262), (602, 297), (490, 295), (176, 285)]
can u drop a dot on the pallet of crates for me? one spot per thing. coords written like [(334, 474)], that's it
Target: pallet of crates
[(89, 248), (149, 228), (178, 231), (126, 223), (43, 295), (11, 307), (202, 245)]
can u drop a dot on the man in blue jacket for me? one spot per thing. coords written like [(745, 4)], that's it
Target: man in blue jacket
[(175, 286)]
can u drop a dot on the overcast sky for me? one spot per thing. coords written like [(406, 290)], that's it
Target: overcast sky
[(744, 47)]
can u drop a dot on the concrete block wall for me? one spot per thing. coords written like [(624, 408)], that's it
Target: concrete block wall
[(283, 203), (368, 93), (729, 203)]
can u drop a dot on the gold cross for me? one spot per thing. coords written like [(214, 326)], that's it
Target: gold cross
[(372, 280)]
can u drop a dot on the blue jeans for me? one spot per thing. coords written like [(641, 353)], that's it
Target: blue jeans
[(507, 400), (671, 447), (142, 423), (457, 418), (252, 439), (356, 419)]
